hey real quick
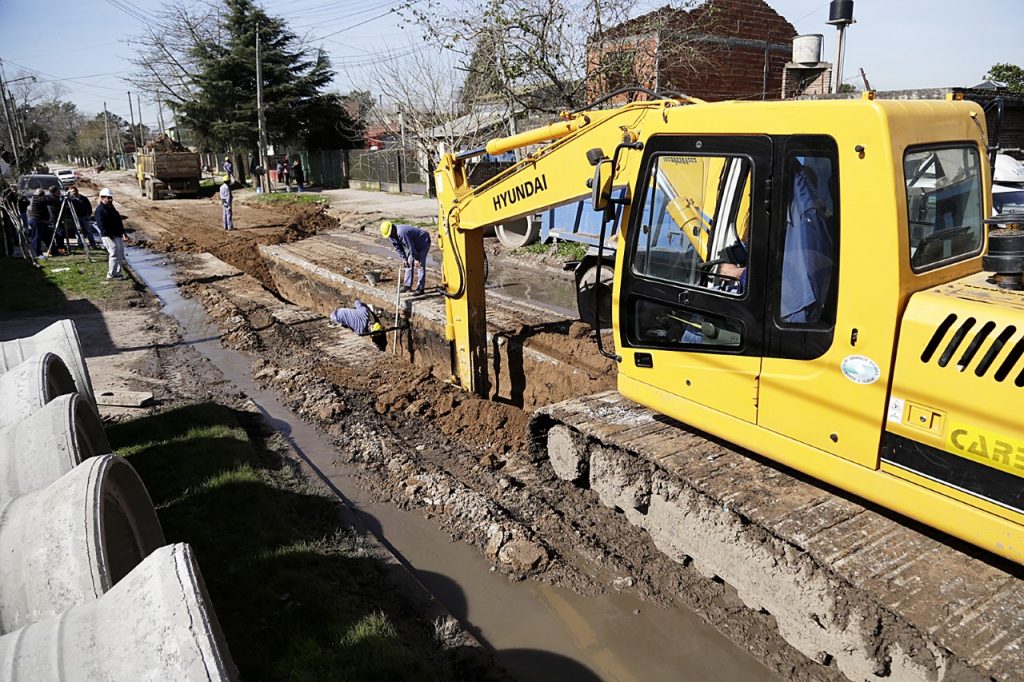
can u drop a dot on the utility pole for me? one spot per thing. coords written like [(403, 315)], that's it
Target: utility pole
[(160, 112), (10, 126), (120, 146), (131, 113), (840, 15), (259, 115), (106, 129), (142, 137)]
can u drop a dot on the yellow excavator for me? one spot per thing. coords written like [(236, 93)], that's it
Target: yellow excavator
[(806, 279)]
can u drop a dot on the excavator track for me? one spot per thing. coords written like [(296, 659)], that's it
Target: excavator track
[(873, 592)]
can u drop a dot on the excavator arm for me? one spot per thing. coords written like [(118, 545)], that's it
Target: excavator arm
[(556, 174)]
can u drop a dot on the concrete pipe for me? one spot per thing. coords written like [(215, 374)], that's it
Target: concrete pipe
[(518, 233), (38, 450), (156, 624), (60, 338), (25, 388), (73, 540)]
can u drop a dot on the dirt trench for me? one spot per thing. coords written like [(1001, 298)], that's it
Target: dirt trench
[(422, 444)]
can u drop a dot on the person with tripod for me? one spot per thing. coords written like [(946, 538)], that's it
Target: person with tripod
[(83, 209), (59, 241)]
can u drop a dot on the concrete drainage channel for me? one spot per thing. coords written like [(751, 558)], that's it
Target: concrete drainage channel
[(87, 588)]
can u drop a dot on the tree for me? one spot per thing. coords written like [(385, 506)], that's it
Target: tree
[(1011, 74), (219, 104), (165, 55), (424, 89), (546, 55), (44, 116)]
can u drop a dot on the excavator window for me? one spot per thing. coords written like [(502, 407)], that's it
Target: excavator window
[(696, 221), (944, 204), (809, 245)]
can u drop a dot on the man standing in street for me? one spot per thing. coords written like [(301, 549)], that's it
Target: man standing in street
[(412, 245), (225, 201), (111, 227)]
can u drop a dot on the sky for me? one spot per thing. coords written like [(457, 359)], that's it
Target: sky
[(900, 44)]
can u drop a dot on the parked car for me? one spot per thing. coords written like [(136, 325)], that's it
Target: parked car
[(28, 184), (67, 176)]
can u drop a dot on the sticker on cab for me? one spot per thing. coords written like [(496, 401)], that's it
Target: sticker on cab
[(895, 413), (860, 369)]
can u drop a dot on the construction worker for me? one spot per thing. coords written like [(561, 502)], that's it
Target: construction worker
[(225, 201), (412, 245), (360, 318), (229, 169), (111, 227)]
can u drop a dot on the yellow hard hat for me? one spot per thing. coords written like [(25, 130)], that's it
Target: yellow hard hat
[(227, 178), (386, 227), (227, 158), (376, 327)]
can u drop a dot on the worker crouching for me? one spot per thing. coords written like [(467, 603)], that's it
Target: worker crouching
[(362, 319)]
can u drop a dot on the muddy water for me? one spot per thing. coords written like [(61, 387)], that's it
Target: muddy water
[(537, 632), (522, 281)]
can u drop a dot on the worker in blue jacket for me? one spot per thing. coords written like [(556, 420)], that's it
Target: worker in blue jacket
[(360, 318), (412, 245)]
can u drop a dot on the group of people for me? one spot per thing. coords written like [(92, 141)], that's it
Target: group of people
[(287, 175), (51, 230), (50, 224)]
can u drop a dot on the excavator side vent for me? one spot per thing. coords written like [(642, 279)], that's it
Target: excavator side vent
[(962, 338), (955, 342)]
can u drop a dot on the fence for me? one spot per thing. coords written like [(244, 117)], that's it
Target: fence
[(387, 170)]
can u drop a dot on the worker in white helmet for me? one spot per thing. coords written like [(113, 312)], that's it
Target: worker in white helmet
[(111, 227)]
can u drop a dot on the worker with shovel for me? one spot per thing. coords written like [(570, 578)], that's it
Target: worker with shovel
[(412, 245)]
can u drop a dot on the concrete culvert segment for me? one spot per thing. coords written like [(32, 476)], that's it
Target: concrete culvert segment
[(73, 540), (41, 448), (517, 233), (61, 339), (25, 388), (156, 624)]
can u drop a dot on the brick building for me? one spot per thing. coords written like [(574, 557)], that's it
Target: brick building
[(723, 49)]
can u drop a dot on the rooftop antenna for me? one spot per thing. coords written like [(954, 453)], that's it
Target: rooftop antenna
[(840, 14)]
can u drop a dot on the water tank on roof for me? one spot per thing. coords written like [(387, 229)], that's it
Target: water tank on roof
[(807, 49), (840, 12)]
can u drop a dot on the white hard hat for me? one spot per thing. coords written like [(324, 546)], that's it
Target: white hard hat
[(105, 192)]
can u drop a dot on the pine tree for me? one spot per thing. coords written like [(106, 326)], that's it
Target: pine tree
[(221, 110)]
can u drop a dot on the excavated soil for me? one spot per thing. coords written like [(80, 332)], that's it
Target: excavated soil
[(194, 226)]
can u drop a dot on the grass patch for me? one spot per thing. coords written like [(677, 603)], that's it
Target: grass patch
[(562, 249), (298, 596), (49, 288), (292, 198)]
